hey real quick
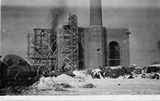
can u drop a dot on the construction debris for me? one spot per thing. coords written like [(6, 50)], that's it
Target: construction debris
[(90, 85), (131, 72)]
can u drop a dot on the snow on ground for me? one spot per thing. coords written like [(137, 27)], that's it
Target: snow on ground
[(46, 86)]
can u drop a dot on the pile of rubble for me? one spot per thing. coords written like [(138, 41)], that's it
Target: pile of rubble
[(62, 82), (16, 71), (133, 71)]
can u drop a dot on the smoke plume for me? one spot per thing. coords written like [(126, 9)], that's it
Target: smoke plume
[(58, 14)]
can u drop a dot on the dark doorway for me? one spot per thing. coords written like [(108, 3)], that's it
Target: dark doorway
[(81, 57), (114, 53)]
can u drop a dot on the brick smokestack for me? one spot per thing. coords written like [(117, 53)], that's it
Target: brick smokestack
[(95, 37), (95, 12)]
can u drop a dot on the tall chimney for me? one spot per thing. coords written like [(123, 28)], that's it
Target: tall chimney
[(95, 12), (95, 37)]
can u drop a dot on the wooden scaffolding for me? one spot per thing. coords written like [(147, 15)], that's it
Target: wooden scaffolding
[(39, 50), (66, 52), (68, 47)]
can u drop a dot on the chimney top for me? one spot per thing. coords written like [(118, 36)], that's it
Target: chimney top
[(95, 12)]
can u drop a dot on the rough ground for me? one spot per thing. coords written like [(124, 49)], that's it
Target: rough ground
[(52, 86)]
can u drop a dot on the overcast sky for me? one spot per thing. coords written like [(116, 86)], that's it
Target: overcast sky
[(80, 3)]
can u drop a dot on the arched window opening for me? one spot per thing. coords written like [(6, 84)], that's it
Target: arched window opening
[(114, 53)]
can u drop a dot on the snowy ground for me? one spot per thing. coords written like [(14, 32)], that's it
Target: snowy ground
[(47, 86)]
